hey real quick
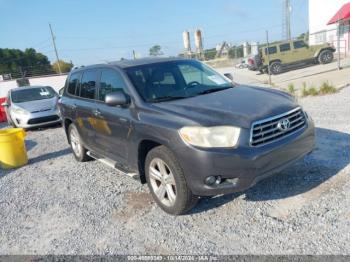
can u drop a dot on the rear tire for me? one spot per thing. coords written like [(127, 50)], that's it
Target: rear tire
[(79, 151), (276, 68), (167, 182), (325, 57)]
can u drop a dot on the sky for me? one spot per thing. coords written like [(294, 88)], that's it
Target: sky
[(95, 31)]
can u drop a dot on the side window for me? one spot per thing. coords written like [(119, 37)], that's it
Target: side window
[(285, 47), (110, 81), (88, 84), (73, 84), (272, 50), (299, 44)]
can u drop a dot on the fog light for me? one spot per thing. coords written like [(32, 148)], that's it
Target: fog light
[(210, 180), (218, 180)]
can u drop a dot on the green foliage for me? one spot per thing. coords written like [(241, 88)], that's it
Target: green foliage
[(327, 88), (210, 54), (312, 91), (155, 50), (291, 88), (235, 52), (65, 66), (13, 61)]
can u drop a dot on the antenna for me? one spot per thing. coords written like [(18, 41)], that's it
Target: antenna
[(287, 9)]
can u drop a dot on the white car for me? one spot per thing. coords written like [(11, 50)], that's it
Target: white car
[(32, 106)]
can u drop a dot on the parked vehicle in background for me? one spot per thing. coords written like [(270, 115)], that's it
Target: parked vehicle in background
[(32, 106), (182, 127), (241, 65), (294, 53), (254, 62)]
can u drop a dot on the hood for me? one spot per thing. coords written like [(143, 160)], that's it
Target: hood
[(38, 105), (239, 106)]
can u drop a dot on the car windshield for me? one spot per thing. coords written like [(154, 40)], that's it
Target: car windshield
[(32, 94), (175, 80)]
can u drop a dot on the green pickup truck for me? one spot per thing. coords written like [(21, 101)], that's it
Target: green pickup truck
[(293, 53)]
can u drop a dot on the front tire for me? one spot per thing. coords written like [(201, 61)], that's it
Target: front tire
[(167, 182), (325, 57), (79, 151)]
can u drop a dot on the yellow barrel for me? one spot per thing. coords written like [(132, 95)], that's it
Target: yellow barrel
[(13, 151)]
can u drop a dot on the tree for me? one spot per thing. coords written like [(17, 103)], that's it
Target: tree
[(17, 62), (210, 53), (155, 50), (65, 66)]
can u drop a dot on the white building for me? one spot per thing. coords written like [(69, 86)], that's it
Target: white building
[(323, 18)]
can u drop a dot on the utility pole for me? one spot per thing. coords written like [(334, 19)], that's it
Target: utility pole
[(286, 32), (338, 43), (268, 56), (54, 46), (133, 54)]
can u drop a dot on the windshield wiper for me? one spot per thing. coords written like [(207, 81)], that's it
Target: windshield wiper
[(208, 91), (167, 98)]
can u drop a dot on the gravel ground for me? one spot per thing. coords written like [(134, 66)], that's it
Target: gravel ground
[(55, 205)]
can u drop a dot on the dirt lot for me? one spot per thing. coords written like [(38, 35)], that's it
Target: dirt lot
[(58, 206)]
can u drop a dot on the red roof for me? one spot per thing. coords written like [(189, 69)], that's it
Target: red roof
[(342, 14)]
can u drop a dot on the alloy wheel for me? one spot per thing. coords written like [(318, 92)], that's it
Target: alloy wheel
[(75, 143), (162, 182)]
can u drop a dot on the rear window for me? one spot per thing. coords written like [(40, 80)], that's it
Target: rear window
[(88, 84), (272, 50), (285, 47), (73, 84), (32, 94)]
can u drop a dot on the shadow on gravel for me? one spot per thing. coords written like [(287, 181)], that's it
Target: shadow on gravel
[(332, 154), (30, 144), (49, 156)]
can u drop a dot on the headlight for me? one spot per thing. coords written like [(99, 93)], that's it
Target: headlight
[(217, 136), (18, 110)]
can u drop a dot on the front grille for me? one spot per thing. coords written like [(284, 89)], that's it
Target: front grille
[(40, 120), (268, 130)]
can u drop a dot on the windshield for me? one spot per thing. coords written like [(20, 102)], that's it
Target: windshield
[(175, 80), (31, 94)]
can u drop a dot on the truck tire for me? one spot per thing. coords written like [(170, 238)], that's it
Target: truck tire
[(79, 151), (167, 182), (276, 68), (325, 57)]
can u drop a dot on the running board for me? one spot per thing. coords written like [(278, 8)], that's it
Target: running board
[(113, 165)]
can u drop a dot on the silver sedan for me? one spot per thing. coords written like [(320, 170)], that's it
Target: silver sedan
[(32, 106)]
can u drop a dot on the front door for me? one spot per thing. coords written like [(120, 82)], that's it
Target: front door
[(114, 122)]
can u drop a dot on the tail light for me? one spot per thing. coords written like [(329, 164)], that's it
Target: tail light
[(250, 61)]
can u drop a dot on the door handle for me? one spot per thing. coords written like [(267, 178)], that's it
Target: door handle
[(96, 112)]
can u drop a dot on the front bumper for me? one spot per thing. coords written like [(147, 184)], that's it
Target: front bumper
[(244, 166), (32, 120)]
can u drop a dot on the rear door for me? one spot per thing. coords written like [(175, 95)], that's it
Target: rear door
[(86, 108), (286, 53), (114, 132)]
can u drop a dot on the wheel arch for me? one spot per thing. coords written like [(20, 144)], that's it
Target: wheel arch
[(144, 147)]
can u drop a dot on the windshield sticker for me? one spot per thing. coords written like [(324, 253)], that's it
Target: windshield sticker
[(217, 79), (44, 93)]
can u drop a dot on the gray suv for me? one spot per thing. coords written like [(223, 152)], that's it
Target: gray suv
[(182, 127)]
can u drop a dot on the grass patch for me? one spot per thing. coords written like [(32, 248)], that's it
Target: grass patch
[(291, 89), (324, 89)]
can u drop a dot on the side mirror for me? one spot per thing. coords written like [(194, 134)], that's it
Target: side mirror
[(117, 98), (5, 104), (229, 76)]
